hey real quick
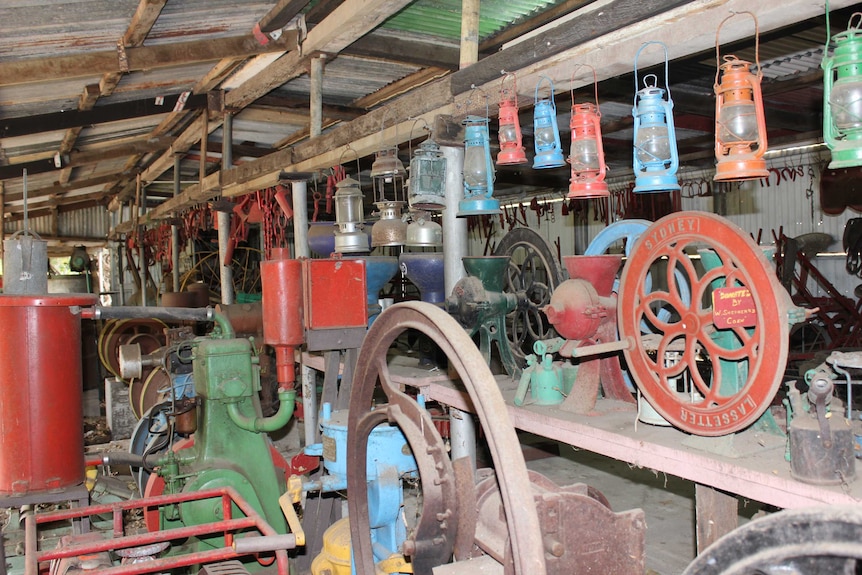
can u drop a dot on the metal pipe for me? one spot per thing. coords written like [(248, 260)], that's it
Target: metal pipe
[(142, 260), (175, 230), (263, 544), (255, 423), (454, 228), (162, 313), (2, 233), (300, 218), (309, 405), (115, 458), (226, 272), (31, 564), (462, 428), (121, 272)]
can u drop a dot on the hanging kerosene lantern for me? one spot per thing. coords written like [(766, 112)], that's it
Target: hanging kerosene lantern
[(511, 141), (656, 159), (478, 170), (546, 133), (587, 155), (740, 124), (387, 175), (426, 191), (842, 95), (427, 187), (349, 216)]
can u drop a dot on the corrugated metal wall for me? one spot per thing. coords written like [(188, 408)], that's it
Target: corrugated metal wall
[(791, 204), (92, 223)]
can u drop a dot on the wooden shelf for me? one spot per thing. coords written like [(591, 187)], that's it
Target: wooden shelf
[(758, 471)]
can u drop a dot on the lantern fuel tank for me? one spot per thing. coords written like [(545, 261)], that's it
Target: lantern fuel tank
[(41, 422)]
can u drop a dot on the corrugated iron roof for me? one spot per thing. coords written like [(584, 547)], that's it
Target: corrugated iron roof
[(45, 29)]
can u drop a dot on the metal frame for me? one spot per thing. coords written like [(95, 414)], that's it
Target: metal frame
[(227, 526)]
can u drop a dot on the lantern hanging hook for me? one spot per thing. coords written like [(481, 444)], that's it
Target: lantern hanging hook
[(666, 79), (731, 58), (595, 84)]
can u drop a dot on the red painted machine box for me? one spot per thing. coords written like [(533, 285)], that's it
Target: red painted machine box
[(334, 293)]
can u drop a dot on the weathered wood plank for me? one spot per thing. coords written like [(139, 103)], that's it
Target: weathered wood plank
[(14, 72), (717, 514), (351, 20), (384, 46), (594, 21), (281, 14), (23, 126), (400, 87)]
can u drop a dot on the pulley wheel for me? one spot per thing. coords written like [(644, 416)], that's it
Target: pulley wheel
[(148, 333), (684, 361), (534, 273), (441, 528)]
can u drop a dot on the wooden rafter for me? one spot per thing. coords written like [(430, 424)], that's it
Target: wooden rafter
[(14, 72)]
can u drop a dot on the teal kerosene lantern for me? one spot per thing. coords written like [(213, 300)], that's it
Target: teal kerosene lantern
[(478, 170)]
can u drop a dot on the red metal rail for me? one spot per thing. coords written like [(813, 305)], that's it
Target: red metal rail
[(228, 526)]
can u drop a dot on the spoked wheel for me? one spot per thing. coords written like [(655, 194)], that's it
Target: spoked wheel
[(148, 333), (664, 361), (245, 267), (622, 233), (535, 272), (798, 542), (444, 526)]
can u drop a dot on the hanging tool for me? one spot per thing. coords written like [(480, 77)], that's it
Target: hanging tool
[(337, 174)]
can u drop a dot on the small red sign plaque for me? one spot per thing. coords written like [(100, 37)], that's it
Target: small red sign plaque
[(733, 307)]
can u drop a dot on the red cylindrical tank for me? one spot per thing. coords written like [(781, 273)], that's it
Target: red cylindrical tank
[(281, 282), (41, 421)]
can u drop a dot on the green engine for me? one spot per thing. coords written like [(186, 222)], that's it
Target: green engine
[(230, 446)]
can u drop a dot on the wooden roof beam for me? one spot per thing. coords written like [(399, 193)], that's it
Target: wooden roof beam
[(14, 72)]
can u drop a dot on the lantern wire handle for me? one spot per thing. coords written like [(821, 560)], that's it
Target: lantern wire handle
[(728, 57), (355, 153), (512, 91), (595, 83), (484, 95), (666, 81), (550, 96), (410, 135), (850, 27)]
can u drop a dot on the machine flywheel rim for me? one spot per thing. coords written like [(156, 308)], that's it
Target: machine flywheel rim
[(467, 361)]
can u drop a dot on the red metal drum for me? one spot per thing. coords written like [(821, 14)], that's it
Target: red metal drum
[(281, 281), (41, 422)]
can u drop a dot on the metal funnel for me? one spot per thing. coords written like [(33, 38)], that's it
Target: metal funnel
[(491, 270), (600, 271), (425, 270)]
